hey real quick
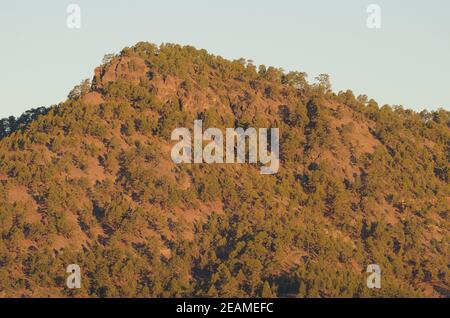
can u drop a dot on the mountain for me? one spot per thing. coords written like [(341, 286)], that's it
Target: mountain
[(91, 182)]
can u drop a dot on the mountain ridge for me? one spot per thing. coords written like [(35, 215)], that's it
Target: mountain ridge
[(91, 182)]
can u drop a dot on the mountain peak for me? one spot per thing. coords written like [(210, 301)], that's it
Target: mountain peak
[(91, 182)]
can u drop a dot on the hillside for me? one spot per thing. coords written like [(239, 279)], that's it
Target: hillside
[(91, 182)]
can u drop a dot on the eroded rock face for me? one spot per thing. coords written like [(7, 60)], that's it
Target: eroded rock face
[(92, 99), (131, 69)]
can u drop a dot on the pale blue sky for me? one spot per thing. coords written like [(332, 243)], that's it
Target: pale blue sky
[(406, 62)]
